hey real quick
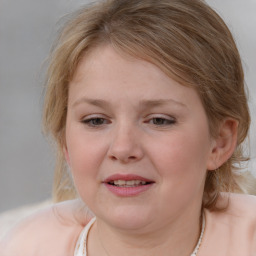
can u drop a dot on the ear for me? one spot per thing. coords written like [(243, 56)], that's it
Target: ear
[(224, 144)]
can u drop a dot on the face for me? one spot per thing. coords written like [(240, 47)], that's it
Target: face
[(138, 142)]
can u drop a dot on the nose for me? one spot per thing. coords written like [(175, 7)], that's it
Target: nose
[(125, 145)]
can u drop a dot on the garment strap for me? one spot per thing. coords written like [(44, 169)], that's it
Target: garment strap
[(81, 245)]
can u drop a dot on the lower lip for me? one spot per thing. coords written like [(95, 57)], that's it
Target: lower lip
[(128, 191)]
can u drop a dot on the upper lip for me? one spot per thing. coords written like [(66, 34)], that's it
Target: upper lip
[(126, 177)]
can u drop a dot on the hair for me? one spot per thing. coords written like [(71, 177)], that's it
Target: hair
[(186, 39)]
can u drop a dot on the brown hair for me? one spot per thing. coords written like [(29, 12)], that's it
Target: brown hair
[(185, 38)]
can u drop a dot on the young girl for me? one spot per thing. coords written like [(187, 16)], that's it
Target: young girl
[(146, 102)]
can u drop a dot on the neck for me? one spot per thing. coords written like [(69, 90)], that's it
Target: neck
[(178, 237)]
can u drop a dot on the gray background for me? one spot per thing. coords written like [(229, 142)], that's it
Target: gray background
[(27, 30)]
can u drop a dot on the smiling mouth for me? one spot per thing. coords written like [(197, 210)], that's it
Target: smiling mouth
[(128, 183)]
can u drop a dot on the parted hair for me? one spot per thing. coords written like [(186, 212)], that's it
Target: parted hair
[(186, 39)]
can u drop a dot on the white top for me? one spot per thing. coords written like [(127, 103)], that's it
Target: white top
[(81, 245)]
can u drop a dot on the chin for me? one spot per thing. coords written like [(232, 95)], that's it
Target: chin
[(127, 218)]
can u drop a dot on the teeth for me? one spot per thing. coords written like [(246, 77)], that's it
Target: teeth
[(119, 182), (128, 183)]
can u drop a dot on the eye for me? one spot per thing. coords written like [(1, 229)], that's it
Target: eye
[(95, 121), (162, 121)]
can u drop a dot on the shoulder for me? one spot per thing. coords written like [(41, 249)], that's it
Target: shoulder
[(241, 210), (233, 229), (51, 231), (242, 207)]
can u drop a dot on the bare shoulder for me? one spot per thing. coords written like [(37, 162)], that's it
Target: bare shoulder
[(241, 212), (51, 231), (243, 204)]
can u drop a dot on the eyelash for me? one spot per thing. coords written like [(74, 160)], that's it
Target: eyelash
[(91, 121), (163, 121), (156, 121)]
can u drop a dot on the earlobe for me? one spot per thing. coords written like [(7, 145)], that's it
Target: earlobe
[(224, 145)]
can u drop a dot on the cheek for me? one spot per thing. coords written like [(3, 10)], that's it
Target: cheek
[(85, 159), (85, 153), (183, 154)]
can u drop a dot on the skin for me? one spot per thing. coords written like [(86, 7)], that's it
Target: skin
[(52, 231), (133, 132), (125, 116)]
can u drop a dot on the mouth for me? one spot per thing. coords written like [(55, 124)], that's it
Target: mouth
[(127, 185)]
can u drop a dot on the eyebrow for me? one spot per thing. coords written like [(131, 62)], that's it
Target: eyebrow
[(160, 102), (95, 102), (144, 103)]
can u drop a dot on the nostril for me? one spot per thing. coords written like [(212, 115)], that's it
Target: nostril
[(132, 157), (113, 157), (123, 158), (125, 152)]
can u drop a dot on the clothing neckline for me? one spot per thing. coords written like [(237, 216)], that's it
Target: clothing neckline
[(81, 245)]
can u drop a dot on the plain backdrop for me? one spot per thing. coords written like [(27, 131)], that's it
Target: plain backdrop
[(27, 30)]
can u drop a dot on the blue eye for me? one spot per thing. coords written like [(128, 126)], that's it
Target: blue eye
[(97, 121)]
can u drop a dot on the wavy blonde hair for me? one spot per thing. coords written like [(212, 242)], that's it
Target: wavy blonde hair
[(184, 38)]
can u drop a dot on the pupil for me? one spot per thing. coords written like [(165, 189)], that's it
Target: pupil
[(158, 121), (98, 121)]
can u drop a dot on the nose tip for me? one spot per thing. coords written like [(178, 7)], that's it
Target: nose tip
[(123, 158), (125, 147)]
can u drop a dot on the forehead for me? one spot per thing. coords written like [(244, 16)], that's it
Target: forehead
[(105, 74)]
